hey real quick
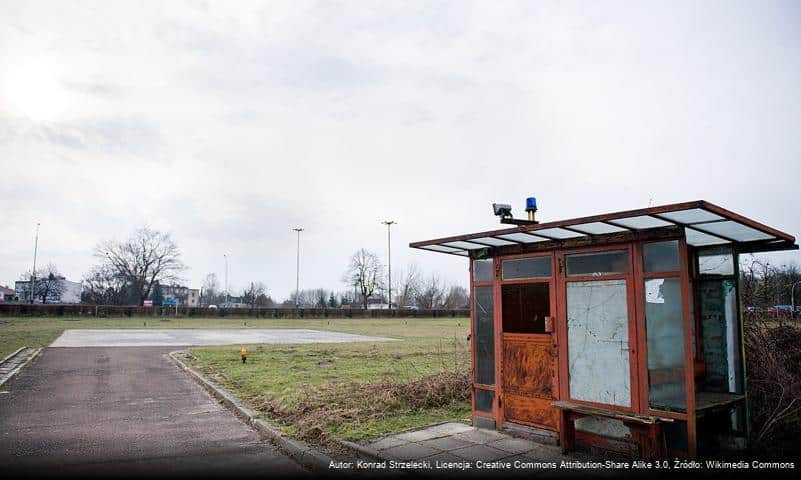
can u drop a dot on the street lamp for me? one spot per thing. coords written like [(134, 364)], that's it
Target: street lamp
[(389, 223), (225, 255), (297, 271), (33, 272), (792, 297)]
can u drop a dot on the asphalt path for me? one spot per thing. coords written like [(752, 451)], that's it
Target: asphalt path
[(124, 411)]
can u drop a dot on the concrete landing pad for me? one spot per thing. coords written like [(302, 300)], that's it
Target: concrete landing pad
[(196, 336)]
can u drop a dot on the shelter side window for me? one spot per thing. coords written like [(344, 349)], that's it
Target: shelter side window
[(664, 326), (482, 270), (484, 335), (484, 399)]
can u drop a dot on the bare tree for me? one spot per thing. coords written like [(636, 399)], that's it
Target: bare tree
[(102, 286), (408, 285), (365, 273), (251, 294), (431, 293), (147, 257), (210, 290), (48, 283), (457, 297)]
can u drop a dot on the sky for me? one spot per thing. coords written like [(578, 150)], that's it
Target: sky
[(228, 124)]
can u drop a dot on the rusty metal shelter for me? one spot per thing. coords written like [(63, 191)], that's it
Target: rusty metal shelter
[(621, 331)]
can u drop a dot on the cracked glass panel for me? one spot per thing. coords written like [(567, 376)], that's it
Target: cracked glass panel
[(598, 342), (485, 336), (716, 263), (665, 334)]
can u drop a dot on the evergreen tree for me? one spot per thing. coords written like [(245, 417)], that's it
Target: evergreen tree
[(158, 296), (332, 301)]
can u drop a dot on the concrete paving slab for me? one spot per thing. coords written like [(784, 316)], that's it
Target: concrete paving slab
[(446, 443), (513, 445), (480, 452), (450, 428), (410, 451), (419, 435), (480, 436), (207, 336)]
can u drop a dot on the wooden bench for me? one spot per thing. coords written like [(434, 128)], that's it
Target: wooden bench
[(646, 430)]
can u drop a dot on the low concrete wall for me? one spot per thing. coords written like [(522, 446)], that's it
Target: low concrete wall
[(36, 310)]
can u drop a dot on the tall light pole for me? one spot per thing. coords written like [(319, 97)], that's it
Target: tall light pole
[(33, 272), (792, 298), (297, 271), (389, 223), (225, 255)]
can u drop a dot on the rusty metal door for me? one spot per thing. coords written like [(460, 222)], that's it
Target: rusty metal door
[(528, 359), (528, 379)]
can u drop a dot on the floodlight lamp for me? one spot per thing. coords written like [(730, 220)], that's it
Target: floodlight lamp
[(503, 210)]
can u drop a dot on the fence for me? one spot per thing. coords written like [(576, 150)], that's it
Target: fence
[(36, 310)]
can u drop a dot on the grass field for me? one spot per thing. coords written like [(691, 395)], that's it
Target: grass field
[(351, 390)]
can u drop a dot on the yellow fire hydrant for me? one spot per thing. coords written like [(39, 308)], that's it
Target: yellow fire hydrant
[(243, 352)]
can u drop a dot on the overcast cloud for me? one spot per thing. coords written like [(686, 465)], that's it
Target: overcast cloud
[(229, 123)]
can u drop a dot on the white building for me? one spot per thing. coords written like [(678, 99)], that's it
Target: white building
[(61, 290)]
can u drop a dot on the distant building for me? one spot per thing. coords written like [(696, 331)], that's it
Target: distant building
[(180, 295), (64, 291), (193, 297), (7, 294)]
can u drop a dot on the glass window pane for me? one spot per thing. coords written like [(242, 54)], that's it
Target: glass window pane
[(525, 307), (526, 268), (735, 231), (700, 239), (601, 263), (440, 248), (485, 336), (465, 245), (641, 222), (716, 263), (598, 342), (482, 270), (665, 335), (693, 215), (522, 237), (484, 400), (558, 233), (661, 256), (598, 228), (492, 241)]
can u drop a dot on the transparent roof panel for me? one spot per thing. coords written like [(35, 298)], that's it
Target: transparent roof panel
[(642, 222), (465, 245), (495, 242), (597, 228), (699, 239), (440, 248), (693, 215), (523, 237), (558, 233), (736, 231)]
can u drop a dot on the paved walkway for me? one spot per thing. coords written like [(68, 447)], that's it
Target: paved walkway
[(123, 411), (124, 337), (462, 445)]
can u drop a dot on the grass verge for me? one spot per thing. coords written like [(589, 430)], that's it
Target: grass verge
[(355, 390)]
